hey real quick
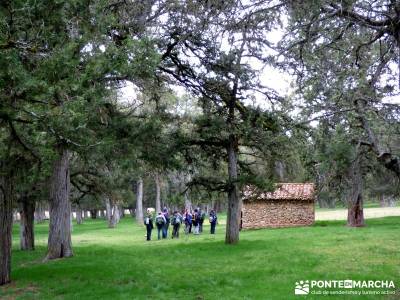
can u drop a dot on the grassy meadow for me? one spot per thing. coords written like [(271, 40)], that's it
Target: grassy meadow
[(119, 264)]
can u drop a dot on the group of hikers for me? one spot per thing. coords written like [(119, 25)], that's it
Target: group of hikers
[(192, 220)]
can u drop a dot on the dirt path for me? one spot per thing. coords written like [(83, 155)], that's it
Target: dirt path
[(369, 213)]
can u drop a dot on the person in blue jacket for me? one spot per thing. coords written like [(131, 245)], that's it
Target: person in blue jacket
[(188, 222), (213, 221), (167, 222)]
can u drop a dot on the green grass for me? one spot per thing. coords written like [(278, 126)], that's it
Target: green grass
[(119, 264)]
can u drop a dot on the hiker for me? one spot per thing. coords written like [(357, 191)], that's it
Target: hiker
[(176, 223), (213, 221), (148, 221), (160, 222), (196, 221), (201, 220), (166, 225), (188, 222)]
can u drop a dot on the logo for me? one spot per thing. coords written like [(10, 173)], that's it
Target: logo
[(302, 288), (348, 284), (345, 287)]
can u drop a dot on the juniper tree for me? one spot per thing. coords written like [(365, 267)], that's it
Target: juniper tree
[(342, 55), (210, 49), (58, 83)]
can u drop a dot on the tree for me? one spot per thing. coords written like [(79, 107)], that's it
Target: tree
[(139, 201), (16, 159), (211, 58), (355, 215), (56, 85), (157, 181), (5, 240), (6, 206), (342, 65), (29, 189)]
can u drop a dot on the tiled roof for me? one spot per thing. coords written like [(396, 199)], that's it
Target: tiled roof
[(283, 191)]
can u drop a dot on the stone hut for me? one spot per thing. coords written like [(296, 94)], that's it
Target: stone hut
[(291, 204)]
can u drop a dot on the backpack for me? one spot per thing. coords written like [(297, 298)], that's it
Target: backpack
[(166, 216), (195, 219), (176, 220), (188, 219), (160, 220), (202, 216), (211, 219)]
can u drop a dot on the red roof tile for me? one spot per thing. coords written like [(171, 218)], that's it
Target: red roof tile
[(283, 191)]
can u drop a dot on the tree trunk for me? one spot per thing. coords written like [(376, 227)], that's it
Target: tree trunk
[(234, 201), (331, 203), (158, 192), (280, 171), (139, 202), (40, 214), (27, 239), (381, 200), (79, 219), (108, 209), (113, 214), (6, 219), (59, 244), (113, 221), (117, 213), (355, 215), (321, 202), (387, 201), (71, 224), (93, 213), (188, 203), (186, 196), (388, 159), (391, 201)]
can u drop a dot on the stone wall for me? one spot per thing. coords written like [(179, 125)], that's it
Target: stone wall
[(277, 213)]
